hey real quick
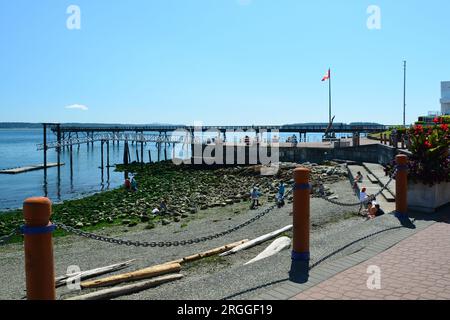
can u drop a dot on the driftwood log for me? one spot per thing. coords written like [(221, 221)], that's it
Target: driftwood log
[(257, 241), (134, 275), (127, 289), (60, 281), (209, 252)]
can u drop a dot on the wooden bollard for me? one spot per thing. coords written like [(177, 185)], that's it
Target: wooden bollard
[(401, 186), (39, 263), (300, 241)]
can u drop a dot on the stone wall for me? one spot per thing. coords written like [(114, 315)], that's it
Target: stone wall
[(375, 153)]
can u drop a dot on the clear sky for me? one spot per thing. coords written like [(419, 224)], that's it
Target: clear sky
[(221, 61)]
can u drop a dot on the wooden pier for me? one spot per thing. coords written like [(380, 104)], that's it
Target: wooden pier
[(28, 168)]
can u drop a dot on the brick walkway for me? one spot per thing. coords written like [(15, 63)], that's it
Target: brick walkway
[(416, 268)]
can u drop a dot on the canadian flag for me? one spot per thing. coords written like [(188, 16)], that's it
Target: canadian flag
[(327, 76)]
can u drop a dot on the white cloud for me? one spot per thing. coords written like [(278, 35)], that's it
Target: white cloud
[(77, 106)]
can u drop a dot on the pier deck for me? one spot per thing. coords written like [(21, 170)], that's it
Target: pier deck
[(28, 168)]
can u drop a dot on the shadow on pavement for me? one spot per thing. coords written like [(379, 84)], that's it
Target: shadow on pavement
[(299, 272), (441, 215)]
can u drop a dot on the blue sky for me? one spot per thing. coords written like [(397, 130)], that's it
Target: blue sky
[(221, 61)]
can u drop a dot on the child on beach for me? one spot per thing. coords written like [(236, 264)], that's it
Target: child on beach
[(358, 179), (374, 210)]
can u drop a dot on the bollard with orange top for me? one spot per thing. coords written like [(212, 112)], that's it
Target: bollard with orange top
[(39, 264), (300, 241), (401, 186)]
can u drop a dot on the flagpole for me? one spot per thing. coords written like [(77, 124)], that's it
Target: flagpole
[(329, 97)]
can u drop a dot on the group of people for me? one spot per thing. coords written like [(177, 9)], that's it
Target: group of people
[(370, 203), (255, 194), (372, 206), (131, 184)]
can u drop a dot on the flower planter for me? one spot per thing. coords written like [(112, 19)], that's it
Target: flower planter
[(424, 198)]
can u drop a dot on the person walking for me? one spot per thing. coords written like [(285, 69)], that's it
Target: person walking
[(280, 194), (254, 194)]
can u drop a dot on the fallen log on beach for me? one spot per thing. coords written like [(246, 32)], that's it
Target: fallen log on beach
[(68, 278), (209, 252), (134, 275), (127, 289), (257, 241)]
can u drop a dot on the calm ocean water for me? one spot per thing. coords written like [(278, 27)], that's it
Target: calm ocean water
[(18, 148)]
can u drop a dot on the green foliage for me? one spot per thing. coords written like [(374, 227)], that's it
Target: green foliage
[(429, 145)]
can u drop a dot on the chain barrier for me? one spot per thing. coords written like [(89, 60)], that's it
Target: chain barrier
[(93, 236), (154, 244), (360, 203)]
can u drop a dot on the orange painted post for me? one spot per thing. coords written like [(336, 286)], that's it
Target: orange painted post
[(39, 263), (300, 241), (401, 186)]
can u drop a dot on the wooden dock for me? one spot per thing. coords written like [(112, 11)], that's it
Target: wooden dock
[(28, 168)]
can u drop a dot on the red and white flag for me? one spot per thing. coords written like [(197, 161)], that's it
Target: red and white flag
[(327, 76)]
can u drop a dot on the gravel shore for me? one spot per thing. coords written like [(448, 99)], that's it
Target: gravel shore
[(212, 278)]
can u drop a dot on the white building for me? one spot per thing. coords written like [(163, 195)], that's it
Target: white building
[(445, 97)]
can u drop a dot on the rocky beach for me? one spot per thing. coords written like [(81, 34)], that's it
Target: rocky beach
[(186, 191)]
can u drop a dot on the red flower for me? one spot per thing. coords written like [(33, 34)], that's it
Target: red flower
[(427, 144), (436, 120), (444, 127), (419, 128)]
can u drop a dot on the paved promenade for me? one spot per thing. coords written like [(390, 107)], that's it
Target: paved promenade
[(416, 268)]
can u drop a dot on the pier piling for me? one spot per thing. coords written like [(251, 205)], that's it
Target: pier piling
[(142, 147), (45, 149), (102, 143), (107, 154)]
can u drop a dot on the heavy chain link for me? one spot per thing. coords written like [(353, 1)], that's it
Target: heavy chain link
[(164, 243), (359, 203), (154, 244)]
